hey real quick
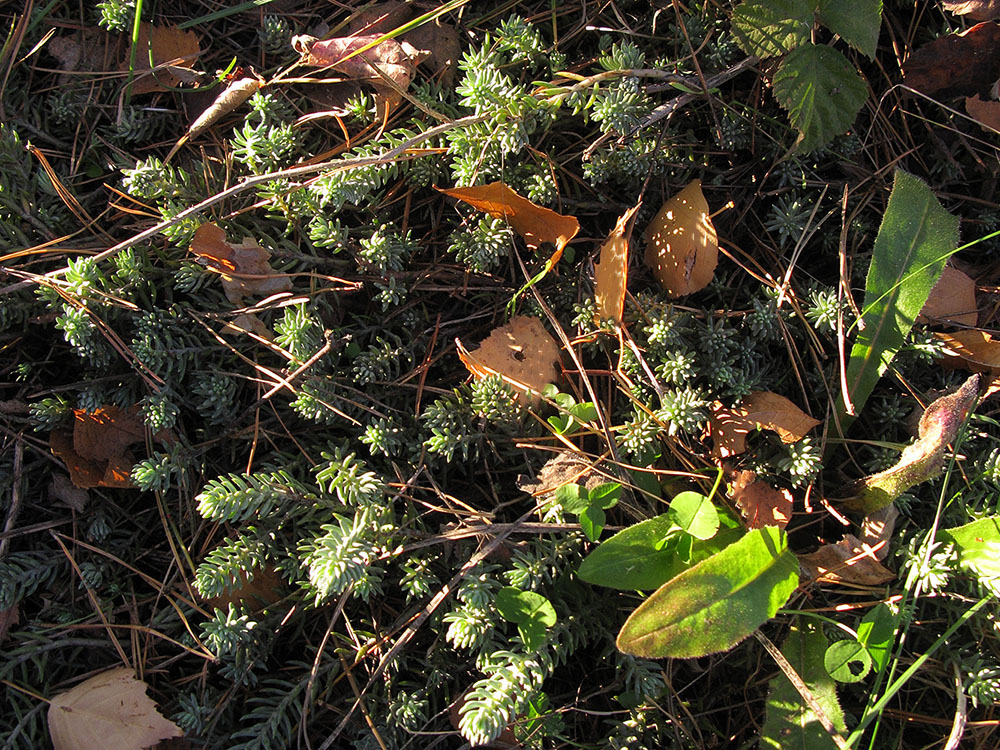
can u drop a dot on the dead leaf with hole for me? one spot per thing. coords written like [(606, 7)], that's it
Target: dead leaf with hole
[(61, 488), (257, 589), (611, 273), (522, 352), (110, 710), (97, 451), (536, 224), (388, 66), (729, 426), (244, 268), (172, 50), (760, 504), (847, 561), (682, 246), (956, 64), (978, 10), (952, 300)]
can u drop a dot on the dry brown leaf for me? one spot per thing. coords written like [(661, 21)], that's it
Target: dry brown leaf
[(952, 65), (877, 528), (682, 246), (978, 10), (611, 273), (387, 59), (244, 268), (8, 619), (97, 451), (972, 350), (729, 427), (246, 323), (986, 113), (110, 710), (379, 18), (760, 503), (62, 488), (522, 352), (952, 300), (441, 46), (170, 47), (262, 586), (563, 468), (847, 561), (536, 224), (235, 93)]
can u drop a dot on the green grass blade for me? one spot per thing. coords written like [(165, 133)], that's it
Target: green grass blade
[(915, 239)]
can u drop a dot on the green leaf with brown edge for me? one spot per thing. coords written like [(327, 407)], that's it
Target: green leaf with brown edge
[(915, 239), (790, 723), (638, 558), (717, 603)]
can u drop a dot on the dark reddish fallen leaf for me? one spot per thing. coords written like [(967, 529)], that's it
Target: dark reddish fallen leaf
[(986, 113), (760, 503), (978, 10), (956, 64)]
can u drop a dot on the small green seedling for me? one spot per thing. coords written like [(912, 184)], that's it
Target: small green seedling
[(589, 505), (572, 414), (532, 613)]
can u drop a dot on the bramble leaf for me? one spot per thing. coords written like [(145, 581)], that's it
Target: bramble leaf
[(821, 91), (768, 28), (857, 22)]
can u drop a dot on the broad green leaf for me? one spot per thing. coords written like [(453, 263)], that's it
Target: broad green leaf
[(768, 28), (532, 633), (695, 514), (847, 661), (573, 498), (790, 723), (717, 603), (636, 559), (585, 412), (978, 548), (876, 631), (915, 239), (515, 605), (821, 91), (592, 522), (856, 22), (606, 495)]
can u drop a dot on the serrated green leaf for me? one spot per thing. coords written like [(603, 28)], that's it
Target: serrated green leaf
[(790, 723), (876, 631), (635, 559), (915, 239), (768, 28), (821, 91), (717, 603), (695, 514), (856, 22), (847, 661)]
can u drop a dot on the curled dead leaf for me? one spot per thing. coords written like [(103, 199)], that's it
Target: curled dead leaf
[(978, 10), (170, 48), (109, 710), (682, 246), (729, 426), (760, 503), (244, 268), (522, 352), (611, 273), (952, 300), (536, 224), (847, 561)]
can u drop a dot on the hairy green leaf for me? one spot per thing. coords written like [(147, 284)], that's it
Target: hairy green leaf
[(716, 603), (915, 239), (857, 22), (821, 91), (638, 559), (790, 723), (768, 28)]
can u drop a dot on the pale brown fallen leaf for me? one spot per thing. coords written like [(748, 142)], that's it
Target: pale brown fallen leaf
[(379, 18), (61, 488), (171, 49), (257, 589), (847, 561), (244, 268), (362, 58), (97, 451), (110, 710), (231, 97), (682, 246), (986, 113), (979, 10), (441, 46), (522, 352), (565, 467), (247, 323), (611, 273), (729, 426), (536, 224), (760, 503), (877, 528), (952, 300), (975, 351)]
